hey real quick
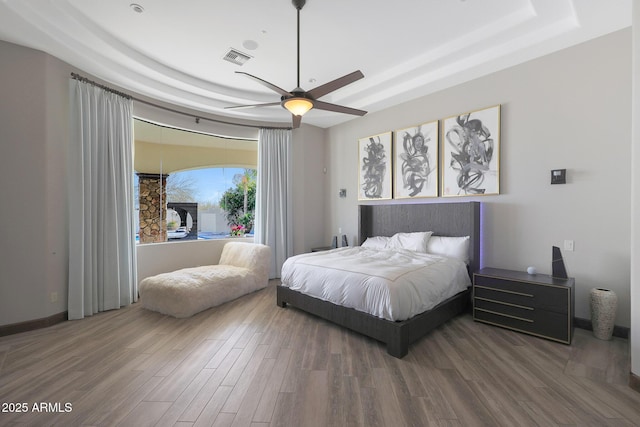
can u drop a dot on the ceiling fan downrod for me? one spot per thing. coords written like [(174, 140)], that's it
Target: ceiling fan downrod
[(298, 4)]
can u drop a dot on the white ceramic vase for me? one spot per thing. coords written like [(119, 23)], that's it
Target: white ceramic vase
[(604, 303)]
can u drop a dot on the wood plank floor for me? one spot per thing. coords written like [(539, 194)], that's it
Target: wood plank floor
[(250, 363)]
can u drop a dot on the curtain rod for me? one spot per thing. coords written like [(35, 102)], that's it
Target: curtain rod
[(197, 118)]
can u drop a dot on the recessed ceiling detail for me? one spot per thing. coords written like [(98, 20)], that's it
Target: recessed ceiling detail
[(169, 51)]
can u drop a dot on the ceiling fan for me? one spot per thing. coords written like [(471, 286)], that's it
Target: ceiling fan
[(299, 101)]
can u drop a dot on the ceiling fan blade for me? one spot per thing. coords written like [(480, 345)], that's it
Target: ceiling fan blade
[(238, 107), (296, 121), (267, 84), (335, 84), (321, 105)]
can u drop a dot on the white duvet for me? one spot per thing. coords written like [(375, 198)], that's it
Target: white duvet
[(392, 284)]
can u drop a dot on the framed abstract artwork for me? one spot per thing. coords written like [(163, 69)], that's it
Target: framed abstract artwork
[(471, 153), (415, 161), (374, 165)]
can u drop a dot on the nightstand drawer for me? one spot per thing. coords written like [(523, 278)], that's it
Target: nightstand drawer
[(542, 323), (545, 297), (506, 308)]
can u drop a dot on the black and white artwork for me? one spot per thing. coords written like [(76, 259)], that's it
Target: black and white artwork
[(374, 162), (470, 153), (416, 161)]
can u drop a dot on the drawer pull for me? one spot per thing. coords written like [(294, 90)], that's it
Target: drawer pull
[(504, 315), (505, 291), (504, 303)]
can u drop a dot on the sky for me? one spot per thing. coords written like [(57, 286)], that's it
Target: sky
[(211, 183)]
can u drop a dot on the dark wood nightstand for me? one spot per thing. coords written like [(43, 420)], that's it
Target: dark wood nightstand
[(535, 304), (322, 248)]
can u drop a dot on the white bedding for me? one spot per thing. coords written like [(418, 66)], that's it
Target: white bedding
[(391, 284)]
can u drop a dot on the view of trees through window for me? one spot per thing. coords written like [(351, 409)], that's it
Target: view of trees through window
[(225, 199)]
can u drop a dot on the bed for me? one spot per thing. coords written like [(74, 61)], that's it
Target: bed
[(443, 219)]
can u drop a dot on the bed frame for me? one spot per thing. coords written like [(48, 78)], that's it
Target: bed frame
[(444, 219)]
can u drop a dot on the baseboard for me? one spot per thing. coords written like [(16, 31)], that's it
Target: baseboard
[(618, 331), (634, 382), (31, 325)]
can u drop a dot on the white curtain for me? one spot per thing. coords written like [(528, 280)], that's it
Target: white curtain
[(273, 196), (102, 270)]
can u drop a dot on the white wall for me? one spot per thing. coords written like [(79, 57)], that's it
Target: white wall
[(156, 258), (567, 110)]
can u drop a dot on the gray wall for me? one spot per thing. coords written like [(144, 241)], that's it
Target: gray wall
[(572, 110), (308, 189), (33, 195), (634, 339)]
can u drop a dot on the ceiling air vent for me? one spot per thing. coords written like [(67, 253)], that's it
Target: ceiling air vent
[(236, 57)]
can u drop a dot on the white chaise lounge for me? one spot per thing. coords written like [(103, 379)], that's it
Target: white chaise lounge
[(243, 268)]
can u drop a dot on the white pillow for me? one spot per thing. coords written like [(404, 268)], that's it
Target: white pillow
[(375, 242), (411, 241), (451, 247)]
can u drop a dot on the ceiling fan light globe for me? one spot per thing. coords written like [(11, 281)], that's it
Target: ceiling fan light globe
[(298, 106)]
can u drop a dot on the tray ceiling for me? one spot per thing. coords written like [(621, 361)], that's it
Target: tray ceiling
[(174, 51)]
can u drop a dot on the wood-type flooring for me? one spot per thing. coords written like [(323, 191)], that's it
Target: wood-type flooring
[(250, 363)]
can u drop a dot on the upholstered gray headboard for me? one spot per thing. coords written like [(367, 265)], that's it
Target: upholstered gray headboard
[(444, 219)]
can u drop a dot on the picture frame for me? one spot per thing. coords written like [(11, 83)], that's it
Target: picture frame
[(375, 167), (415, 161), (471, 153)]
